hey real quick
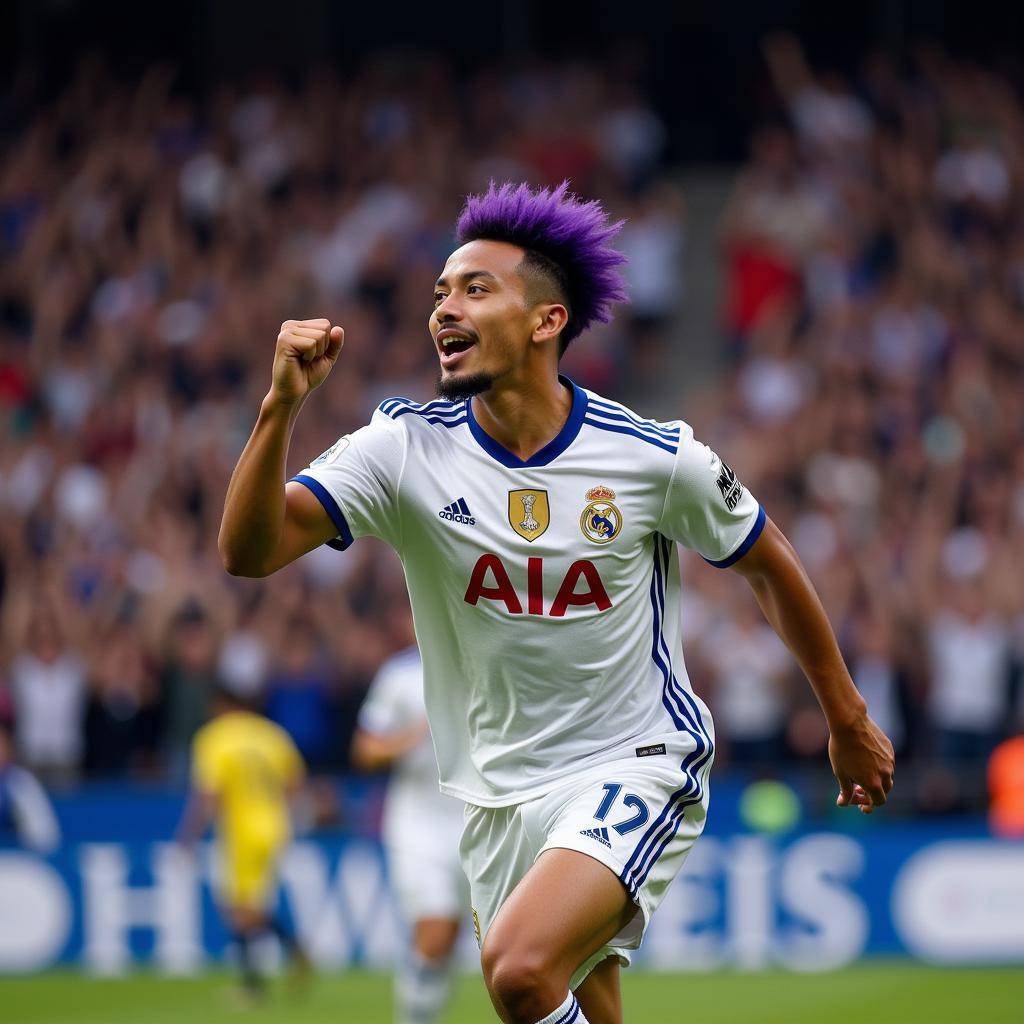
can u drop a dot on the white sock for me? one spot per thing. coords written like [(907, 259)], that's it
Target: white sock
[(568, 1013), (422, 987)]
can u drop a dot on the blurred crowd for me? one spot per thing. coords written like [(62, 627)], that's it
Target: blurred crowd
[(873, 272), (152, 241)]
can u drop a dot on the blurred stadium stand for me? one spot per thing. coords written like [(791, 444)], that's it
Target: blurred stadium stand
[(828, 270), (159, 223)]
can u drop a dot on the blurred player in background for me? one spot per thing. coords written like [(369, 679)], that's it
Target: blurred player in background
[(245, 771), (421, 829), (536, 524), (26, 813)]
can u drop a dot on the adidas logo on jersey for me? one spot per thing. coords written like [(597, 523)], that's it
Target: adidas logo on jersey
[(600, 834), (458, 512)]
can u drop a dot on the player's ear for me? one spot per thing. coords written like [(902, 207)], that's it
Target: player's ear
[(550, 320)]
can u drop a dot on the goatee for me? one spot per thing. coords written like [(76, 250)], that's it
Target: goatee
[(457, 388)]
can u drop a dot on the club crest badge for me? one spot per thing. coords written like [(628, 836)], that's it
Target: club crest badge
[(601, 520), (529, 513)]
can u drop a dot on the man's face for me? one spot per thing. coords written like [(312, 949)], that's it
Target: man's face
[(481, 323)]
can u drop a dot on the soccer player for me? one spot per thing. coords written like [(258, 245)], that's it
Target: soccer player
[(244, 771), (25, 809), (421, 831), (536, 523)]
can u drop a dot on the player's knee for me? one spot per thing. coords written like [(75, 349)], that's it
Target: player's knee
[(435, 939), (246, 919), (518, 979), (435, 947)]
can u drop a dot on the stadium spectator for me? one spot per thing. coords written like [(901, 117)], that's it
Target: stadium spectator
[(122, 715), (751, 670), (298, 691), (48, 682), (769, 231), (970, 673), (876, 672), (189, 683)]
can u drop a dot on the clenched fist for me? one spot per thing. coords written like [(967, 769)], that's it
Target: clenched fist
[(306, 351)]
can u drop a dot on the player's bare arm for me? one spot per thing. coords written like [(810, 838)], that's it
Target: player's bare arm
[(861, 754), (267, 524), (199, 813), (373, 751)]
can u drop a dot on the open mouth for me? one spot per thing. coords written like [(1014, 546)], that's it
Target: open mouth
[(452, 346)]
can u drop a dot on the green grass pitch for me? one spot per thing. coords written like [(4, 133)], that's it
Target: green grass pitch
[(885, 993)]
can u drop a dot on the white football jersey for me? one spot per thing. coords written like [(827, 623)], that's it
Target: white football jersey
[(414, 808), (545, 592)]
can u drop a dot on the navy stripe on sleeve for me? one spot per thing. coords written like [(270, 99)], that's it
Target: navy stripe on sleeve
[(755, 532), (344, 538)]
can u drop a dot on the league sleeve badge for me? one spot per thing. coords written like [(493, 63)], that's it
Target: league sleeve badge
[(333, 452), (729, 485)]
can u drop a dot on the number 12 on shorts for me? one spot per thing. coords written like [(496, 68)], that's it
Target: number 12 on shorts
[(630, 800)]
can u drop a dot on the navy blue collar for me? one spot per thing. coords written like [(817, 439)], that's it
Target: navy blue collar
[(551, 450)]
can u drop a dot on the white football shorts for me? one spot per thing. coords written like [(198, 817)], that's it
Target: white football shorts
[(424, 868), (638, 816)]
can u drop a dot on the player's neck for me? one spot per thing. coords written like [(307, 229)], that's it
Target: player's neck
[(524, 417)]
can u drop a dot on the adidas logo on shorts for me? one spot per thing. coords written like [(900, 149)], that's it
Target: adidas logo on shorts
[(458, 512), (600, 834)]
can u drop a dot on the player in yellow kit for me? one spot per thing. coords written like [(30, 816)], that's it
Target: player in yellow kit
[(245, 769)]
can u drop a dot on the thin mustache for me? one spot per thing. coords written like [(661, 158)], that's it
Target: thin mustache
[(472, 335)]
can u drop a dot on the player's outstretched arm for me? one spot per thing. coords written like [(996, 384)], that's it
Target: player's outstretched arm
[(861, 754), (266, 525)]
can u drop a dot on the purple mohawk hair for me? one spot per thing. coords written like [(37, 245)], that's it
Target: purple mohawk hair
[(560, 228)]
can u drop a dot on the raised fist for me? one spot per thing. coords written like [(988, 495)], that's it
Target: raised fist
[(306, 352)]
